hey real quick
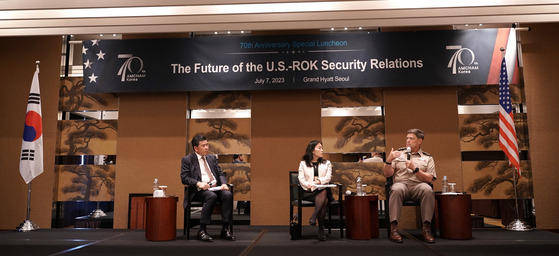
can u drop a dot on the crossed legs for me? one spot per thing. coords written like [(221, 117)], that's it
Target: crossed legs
[(320, 208)]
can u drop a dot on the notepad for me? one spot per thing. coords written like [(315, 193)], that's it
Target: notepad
[(325, 186)]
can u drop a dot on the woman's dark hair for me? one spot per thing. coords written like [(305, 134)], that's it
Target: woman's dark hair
[(307, 157)]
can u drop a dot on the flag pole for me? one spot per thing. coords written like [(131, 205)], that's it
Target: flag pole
[(97, 213), (27, 224), (517, 224)]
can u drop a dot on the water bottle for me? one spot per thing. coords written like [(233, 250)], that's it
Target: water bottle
[(155, 184), (359, 186), (445, 184)]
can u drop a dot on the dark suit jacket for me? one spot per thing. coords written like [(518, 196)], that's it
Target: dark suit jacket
[(192, 174)]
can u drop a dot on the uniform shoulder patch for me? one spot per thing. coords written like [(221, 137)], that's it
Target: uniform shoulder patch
[(401, 149), (427, 154)]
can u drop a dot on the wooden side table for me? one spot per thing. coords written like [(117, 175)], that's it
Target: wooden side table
[(161, 218), (362, 217), (454, 211)]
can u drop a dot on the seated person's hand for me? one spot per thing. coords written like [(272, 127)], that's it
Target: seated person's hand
[(315, 182), (224, 187), (203, 185), (410, 165), (393, 155)]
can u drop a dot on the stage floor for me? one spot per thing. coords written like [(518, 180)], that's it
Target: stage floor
[(269, 241)]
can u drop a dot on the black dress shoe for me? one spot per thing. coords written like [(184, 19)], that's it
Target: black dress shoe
[(203, 236), (312, 222), (226, 234), (322, 236)]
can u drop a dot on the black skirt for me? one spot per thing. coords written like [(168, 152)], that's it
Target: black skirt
[(311, 195)]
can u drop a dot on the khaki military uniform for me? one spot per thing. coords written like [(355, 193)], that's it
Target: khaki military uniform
[(407, 186)]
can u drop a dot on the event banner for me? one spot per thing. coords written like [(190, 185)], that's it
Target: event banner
[(331, 60)]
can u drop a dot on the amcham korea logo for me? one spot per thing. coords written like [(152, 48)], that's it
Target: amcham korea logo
[(132, 69), (463, 61)]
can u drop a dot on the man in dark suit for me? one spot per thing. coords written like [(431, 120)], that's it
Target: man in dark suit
[(201, 172)]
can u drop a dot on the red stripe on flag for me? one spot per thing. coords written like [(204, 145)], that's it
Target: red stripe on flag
[(507, 124), (507, 142), (509, 146)]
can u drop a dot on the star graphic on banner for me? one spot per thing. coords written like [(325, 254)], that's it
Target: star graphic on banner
[(84, 50), (93, 78), (95, 42), (87, 64), (101, 55)]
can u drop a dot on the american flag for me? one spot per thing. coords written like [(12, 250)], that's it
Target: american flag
[(507, 132), (93, 52)]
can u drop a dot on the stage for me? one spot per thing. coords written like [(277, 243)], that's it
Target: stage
[(271, 240)]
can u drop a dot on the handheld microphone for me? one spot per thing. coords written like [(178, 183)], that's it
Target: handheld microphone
[(408, 152)]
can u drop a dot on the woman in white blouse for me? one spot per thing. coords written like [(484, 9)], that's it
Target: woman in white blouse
[(315, 170)]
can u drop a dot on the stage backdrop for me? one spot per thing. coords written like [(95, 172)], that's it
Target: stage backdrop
[(347, 60)]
